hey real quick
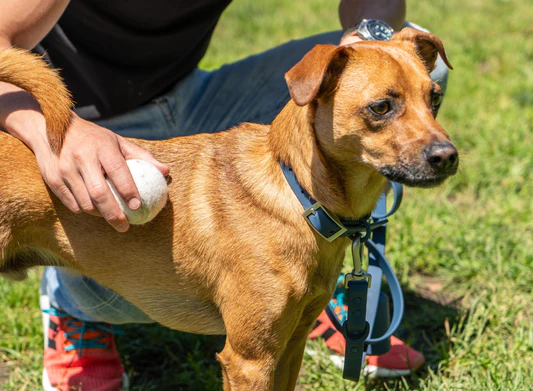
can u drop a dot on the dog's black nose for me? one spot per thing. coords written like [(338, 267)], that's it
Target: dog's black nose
[(442, 156)]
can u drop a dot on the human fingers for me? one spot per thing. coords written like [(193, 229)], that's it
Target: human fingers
[(49, 166), (60, 188), (101, 195), (118, 172), (77, 187), (132, 151)]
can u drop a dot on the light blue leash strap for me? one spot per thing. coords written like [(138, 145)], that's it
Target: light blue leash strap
[(395, 291)]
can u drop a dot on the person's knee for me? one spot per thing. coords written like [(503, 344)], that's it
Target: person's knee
[(440, 74), (85, 299)]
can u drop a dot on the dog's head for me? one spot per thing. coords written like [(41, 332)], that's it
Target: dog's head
[(375, 105)]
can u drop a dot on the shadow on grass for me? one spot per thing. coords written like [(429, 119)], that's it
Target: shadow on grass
[(159, 359), (425, 327)]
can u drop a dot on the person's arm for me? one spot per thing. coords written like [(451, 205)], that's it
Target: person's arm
[(351, 12), (89, 151)]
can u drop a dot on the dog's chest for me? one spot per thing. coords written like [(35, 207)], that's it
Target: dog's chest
[(185, 313)]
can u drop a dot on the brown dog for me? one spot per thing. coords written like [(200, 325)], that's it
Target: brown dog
[(232, 247)]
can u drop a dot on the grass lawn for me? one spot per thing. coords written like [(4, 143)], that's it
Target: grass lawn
[(463, 252)]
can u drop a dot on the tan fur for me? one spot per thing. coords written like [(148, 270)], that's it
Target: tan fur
[(231, 253), (29, 72)]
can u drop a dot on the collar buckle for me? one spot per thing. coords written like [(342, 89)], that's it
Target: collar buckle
[(330, 228)]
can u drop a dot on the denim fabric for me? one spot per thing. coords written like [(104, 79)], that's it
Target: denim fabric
[(249, 90)]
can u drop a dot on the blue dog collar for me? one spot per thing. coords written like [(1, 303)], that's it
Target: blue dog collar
[(325, 223)]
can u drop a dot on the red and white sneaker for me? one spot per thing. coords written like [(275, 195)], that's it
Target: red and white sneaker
[(78, 355), (401, 360)]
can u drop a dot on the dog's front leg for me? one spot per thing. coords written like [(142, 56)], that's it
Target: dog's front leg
[(264, 351), (290, 362), (256, 342), (288, 367), (246, 372)]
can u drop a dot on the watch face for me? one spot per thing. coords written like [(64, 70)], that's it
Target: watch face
[(379, 30)]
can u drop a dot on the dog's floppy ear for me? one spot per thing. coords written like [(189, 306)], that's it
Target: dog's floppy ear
[(427, 46), (317, 73)]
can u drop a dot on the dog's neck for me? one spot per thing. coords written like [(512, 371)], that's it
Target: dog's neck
[(351, 193)]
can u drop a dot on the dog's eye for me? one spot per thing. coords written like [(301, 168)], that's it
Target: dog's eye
[(436, 99), (381, 108)]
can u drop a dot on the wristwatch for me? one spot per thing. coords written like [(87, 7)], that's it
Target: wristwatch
[(372, 29)]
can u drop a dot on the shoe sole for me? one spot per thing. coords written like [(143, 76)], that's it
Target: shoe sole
[(47, 386), (44, 303), (373, 372), (370, 371)]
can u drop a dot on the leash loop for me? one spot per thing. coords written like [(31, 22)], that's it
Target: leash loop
[(368, 231), (397, 195), (356, 338), (356, 328)]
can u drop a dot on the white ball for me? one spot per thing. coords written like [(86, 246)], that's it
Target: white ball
[(152, 187)]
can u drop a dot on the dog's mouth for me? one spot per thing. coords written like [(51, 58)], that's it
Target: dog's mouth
[(416, 176)]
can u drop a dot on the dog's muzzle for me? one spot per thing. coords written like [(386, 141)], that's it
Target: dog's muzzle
[(435, 164)]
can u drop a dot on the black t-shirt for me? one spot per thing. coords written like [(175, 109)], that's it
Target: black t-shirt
[(116, 55)]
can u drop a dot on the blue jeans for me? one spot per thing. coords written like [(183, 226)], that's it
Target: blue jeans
[(250, 90)]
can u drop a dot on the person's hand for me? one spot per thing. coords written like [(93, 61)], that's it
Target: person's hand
[(350, 38), (78, 176)]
